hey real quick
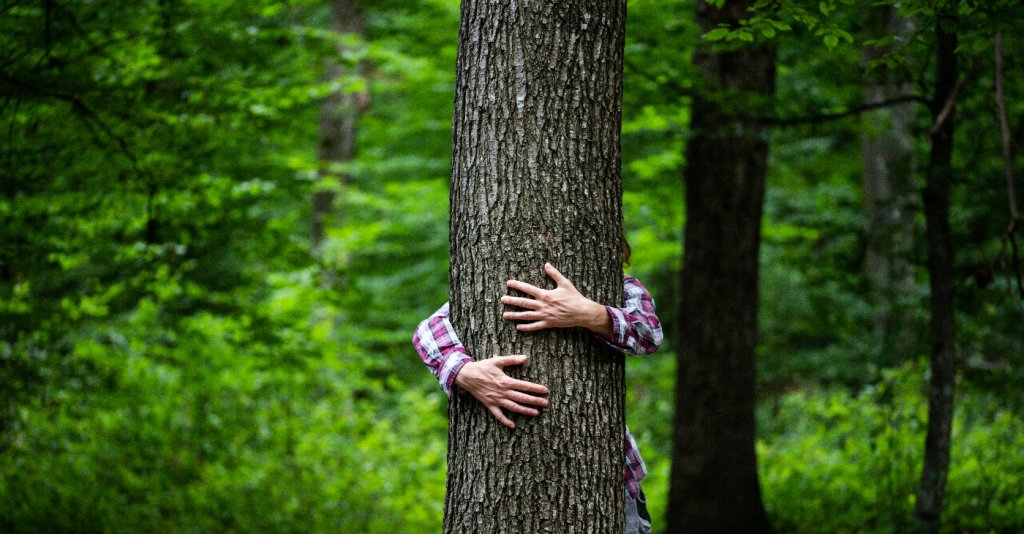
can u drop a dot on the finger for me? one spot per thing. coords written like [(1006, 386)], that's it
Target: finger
[(518, 408), (532, 327), (501, 416), (529, 387), (555, 275), (514, 359), (522, 316), (520, 302), (523, 398), (531, 290)]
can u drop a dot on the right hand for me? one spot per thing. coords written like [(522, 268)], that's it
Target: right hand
[(486, 380)]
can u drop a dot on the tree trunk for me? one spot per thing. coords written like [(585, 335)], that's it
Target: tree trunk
[(714, 484), (889, 180), (535, 178), (940, 269), (338, 116)]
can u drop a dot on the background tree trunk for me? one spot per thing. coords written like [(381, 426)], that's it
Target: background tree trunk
[(338, 117), (535, 178), (889, 180), (714, 485), (940, 268)]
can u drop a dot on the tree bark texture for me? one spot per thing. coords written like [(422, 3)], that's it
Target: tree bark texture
[(889, 179), (940, 269), (536, 178), (338, 117), (714, 484)]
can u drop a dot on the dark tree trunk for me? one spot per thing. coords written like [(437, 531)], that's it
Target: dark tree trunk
[(940, 269), (535, 178), (338, 117), (889, 179), (714, 485)]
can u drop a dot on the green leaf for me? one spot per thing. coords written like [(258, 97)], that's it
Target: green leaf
[(717, 34)]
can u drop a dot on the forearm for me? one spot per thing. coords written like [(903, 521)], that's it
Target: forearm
[(595, 317), (440, 349), (635, 327)]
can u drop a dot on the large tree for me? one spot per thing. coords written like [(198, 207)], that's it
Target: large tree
[(714, 485), (535, 178)]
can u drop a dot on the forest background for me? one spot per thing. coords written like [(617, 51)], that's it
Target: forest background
[(183, 349)]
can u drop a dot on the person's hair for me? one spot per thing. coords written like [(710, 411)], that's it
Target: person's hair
[(627, 252)]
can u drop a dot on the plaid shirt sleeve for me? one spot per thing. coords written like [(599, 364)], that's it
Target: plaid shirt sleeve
[(440, 349), (635, 470), (636, 329)]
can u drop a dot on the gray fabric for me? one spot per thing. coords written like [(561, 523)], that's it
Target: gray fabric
[(635, 524)]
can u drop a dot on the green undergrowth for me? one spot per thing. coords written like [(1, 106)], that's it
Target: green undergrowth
[(833, 460)]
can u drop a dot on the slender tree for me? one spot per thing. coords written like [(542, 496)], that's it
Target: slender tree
[(890, 186), (535, 178), (714, 485), (338, 117), (941, 279)]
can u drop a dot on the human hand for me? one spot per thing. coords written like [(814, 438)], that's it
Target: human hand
[(561, 307), (486, 380)]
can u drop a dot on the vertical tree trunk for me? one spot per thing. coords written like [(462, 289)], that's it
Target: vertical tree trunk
[(338, 117), (889, 180), (535, 178), (940, 269), (714, 484)]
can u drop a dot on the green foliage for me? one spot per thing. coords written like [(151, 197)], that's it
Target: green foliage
[(215, 423), (768, 18), (838, 461), (173, 357)]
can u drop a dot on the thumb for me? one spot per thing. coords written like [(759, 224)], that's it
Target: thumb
[(515, 359)]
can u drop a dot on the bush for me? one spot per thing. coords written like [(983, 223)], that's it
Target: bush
[(836, 461)]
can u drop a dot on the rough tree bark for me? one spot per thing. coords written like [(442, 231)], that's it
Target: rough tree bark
[(889, 180), (338, 117), (535, 178), (940, 269), (714, 484)]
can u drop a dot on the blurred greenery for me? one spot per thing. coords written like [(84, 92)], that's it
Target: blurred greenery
[(174, 357)]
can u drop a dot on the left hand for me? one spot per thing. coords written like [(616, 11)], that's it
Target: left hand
[(561, 307)]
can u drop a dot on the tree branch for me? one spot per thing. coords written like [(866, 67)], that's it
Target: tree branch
[(947, 107), (1004, 128), (827, 117), (90, 118)]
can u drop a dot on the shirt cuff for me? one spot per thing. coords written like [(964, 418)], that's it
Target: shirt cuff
[(452, 366), (618, 338)]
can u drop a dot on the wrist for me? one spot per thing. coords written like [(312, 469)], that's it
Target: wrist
[(596, 317), (460, 378)]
